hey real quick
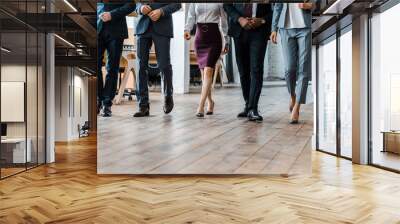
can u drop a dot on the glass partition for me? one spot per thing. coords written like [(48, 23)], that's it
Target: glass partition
[(22, 78), (327, 96), (385, 90), (346, 93)]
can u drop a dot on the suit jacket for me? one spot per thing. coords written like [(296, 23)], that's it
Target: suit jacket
[(116, 28), (280, 12), (236, 10), (164, 26)]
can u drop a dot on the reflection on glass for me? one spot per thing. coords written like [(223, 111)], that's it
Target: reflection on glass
[(346, 94), (385, 89), (327, 97), (14, 144)]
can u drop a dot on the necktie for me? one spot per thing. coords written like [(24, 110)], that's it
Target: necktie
[(248, 10), (100, 9)]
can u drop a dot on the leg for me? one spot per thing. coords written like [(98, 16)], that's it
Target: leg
[(206, 87), (114, 51), (289, 50), (243, 62), (258, 48), (162, 47), (143, 50), (100, 82), (304, 71)]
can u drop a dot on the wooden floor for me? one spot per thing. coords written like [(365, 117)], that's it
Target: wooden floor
[(181, 143), (70, 191)]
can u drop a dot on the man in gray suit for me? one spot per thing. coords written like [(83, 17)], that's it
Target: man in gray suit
[(293, 21), (155, 26)]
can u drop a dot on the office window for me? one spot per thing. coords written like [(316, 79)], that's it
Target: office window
[(346, 94), (327, 96), (385, 89)]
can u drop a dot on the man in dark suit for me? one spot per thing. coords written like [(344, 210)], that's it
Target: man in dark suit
[(250, 27), (155, 26), (111, 32)]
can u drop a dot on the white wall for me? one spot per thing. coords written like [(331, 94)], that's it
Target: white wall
[(70, 84)]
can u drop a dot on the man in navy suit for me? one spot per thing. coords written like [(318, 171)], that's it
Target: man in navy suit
[(250, 27), (155, 26), (111, 32)]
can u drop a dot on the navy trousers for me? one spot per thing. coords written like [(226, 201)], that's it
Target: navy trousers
[(162, 48), (106, 89), (250, 49)]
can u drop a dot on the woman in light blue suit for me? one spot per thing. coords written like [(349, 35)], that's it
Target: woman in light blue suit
[(293, 22)]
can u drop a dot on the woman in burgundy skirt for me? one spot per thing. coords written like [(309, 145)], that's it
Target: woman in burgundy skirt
[(210, 19)]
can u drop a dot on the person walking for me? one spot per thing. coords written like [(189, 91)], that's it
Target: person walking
[(293, 23), (155, 26), (250, 25), (111, 32), (210, 19)]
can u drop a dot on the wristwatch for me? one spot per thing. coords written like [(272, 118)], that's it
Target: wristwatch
[(263, 21)]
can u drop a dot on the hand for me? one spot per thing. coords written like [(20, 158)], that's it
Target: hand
[(306, 6), (145, 9), (187, 35), (155, 15), (255, 23), (105, 16), (274, 37), (225, 50), (244, 22)]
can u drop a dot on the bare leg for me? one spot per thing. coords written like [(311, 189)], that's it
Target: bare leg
[(296, 112), (205, 89), (211, 103), (292, 103)]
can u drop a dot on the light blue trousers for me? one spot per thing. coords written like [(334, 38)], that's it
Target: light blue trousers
[(296, 46)]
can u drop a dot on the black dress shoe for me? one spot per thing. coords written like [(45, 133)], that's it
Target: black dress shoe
[(253, 115), (243, 114), (107, 111), (143, 112), (98, 108), (168, 104)]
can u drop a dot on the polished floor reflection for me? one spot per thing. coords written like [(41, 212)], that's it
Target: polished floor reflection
[(181, 143)]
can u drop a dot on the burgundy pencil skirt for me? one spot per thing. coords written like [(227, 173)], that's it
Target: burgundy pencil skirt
[(208, 44)]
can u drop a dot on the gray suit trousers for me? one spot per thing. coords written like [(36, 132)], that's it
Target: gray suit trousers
[(296, 46)]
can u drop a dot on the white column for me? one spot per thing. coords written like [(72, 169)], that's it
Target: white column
[(180, 57), (50, 99), (360, 90), (314, 73)]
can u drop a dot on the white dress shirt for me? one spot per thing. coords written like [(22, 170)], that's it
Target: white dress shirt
[(294, 17), (254, 12), (208, 13)]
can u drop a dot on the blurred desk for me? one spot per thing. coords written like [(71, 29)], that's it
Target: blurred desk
[(13, 150)]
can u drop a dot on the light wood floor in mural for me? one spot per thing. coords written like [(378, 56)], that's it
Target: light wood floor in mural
[(181, 143), (70, 191)]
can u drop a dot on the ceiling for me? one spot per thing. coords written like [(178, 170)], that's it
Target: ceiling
[(74, 22)]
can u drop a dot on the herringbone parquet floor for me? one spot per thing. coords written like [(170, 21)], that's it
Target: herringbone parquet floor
[(70, 191)]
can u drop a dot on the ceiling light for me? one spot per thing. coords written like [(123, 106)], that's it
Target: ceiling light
[(5, 50), (337, 7), (84, 71), (70, 5), (64, 40)]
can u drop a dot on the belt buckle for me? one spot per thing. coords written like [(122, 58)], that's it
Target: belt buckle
[(204, 28)]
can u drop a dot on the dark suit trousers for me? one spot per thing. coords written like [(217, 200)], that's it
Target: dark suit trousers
[(250, 48), (162, 48), (106, 89)]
